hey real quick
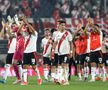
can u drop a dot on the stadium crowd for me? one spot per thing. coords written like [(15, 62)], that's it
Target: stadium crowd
[(54, 8)]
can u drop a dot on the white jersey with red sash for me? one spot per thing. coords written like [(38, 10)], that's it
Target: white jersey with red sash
[(12, 45), (63, 39), (95, 41), (30, 43), (47, 45)]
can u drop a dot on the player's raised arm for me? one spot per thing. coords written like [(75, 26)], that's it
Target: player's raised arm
[(20, 27), (2, 31), (31, 29), (79, 27)]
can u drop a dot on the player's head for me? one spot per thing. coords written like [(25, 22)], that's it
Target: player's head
[(25, 31), (47, 32), (77, 36), (96, 28), (58, 23), (62, 25), (14, 27)]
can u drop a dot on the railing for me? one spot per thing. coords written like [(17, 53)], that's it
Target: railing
[(3, 46)]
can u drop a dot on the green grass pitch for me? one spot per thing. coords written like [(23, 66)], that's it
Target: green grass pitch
[(74, 85)]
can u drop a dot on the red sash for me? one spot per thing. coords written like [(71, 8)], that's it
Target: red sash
[(95, 41), (36, 56), (61, 40), (27, 42), (47, 45), (10, 41)]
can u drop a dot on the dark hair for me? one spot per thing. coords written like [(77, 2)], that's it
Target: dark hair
[(83, 27), (53, 30), (61, 21), (47, 29), (14, 23), (97, 25)]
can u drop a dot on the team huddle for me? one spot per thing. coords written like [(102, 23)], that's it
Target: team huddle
[(86, 47)]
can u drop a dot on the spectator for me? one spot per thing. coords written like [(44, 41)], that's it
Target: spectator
[(83, 12), (28, 12), (47, 8), (4, 6), (96, 13), (75, 12)]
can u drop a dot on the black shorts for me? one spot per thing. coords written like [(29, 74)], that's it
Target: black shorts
[(55, 61), (63, 59), (96, 57), (46, 60), (86, 57), (77, 61), (9, 58), (105, 59), (80, 59), (29, 59)]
